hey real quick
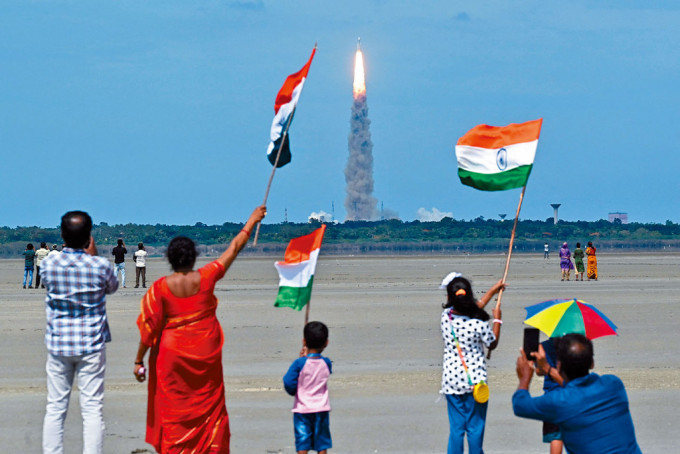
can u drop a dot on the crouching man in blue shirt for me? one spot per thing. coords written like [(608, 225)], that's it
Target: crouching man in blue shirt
[(591, 410)]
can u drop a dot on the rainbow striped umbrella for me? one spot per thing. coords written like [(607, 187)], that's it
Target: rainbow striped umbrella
[(563, 316)]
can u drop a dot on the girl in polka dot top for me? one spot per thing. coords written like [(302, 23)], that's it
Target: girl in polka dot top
[(465, 318)]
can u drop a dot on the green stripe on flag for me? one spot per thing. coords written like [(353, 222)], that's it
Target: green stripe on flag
[(294, 297), (510, 179)]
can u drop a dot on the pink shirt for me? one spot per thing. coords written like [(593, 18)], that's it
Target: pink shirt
[(307, 379)]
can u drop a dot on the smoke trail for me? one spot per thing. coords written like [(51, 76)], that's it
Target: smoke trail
[(359, 203)]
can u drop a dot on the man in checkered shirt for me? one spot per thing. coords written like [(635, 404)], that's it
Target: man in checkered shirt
[(77, 283)]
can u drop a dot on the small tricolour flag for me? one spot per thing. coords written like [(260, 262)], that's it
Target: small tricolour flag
[(296, 272), (496, 158), (284, 108)]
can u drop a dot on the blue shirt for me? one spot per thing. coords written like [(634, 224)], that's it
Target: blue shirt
[(551, 357), (77, 284), (592, 413)]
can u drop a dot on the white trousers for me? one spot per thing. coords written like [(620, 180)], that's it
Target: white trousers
[(60, 373)]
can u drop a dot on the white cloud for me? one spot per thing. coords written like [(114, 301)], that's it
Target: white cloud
[(432, 216), (321, 216)]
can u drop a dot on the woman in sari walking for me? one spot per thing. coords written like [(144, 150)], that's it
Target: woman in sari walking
[(592, 261), (186, 411), (565, 261)]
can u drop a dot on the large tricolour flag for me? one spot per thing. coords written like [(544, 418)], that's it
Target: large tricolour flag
[(284, 108), (296, 272), (495, 158)]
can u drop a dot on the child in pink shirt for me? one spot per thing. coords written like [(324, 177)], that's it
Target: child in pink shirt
[(307, 380)]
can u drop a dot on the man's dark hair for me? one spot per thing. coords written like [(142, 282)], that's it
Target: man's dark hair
[(316, 335), (29, 246), (76, 227), (140, 246), (43, 244), (120, 241), (575, 353), (181, 253)]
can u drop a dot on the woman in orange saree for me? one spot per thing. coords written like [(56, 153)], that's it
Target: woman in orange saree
[(186, 410), (592, 261)]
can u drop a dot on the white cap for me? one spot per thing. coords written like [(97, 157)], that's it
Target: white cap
[(449, 277)]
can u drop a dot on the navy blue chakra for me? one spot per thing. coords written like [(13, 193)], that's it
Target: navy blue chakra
[(502, 159)]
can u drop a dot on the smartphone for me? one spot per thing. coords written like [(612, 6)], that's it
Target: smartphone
[(530, 342)]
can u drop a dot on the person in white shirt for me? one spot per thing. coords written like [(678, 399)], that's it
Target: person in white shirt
[(40, 255), (54, 250), (140, 262)]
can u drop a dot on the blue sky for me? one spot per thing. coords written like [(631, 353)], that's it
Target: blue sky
[(159, 112)]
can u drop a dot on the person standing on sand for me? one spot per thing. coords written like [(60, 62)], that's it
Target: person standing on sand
[(565, 261), (140, 264), (118, 253), (307, 380), (77, 283), (578, 261), (466, 331), (186, 410), (40, 255), (592, 261), (29, 257), (546, 251), (592, 411)]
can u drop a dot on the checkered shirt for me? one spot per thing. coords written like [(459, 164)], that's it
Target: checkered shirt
[(77, 284)]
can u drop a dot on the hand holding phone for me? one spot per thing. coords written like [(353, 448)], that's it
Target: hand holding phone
[(530, 342)]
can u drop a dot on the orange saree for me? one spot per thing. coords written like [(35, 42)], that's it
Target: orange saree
[(186, 411), (592, 262)]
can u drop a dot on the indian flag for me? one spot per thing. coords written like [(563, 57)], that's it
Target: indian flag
[(284, 109), (496, 158), (296, 272)]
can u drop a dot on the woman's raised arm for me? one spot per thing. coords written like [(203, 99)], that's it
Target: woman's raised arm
[(241, 238)]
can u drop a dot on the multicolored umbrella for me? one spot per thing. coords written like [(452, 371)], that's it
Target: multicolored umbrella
[(563, 316)]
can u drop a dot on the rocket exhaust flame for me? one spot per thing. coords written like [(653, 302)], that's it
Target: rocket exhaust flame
[(359, 78), (360, 203)]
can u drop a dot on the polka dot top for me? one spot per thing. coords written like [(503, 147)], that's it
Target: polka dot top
[(472, 335)]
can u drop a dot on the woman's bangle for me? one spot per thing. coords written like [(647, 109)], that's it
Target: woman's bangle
[(498, 320), (139, 363), (246, 232)]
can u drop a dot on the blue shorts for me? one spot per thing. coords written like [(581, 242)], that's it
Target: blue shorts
[(312, 431)]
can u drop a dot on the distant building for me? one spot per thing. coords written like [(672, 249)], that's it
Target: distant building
[(623, 217)]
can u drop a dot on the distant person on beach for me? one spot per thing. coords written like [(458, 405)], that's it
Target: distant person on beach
[(54, 250), (591, 411), (307, 380), (29, 263), (592, 261), (77, 283), (565, 261), (186, 410), (546, 251), (118, 253), (466, 331), (40, 255), (140, 264), (578, 262)]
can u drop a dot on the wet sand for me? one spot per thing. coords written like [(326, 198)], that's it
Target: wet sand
[(383, 315)]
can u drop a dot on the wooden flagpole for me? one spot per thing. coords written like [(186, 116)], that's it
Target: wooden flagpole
[(507, 261), (276, 162), (309, 303), (512, 241)]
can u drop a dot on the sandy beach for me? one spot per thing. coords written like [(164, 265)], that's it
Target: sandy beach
[(383, 315)]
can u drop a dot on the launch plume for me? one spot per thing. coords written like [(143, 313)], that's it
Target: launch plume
[(360, 203)]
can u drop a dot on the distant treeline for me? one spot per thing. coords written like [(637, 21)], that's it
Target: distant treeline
[(378, 237)]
